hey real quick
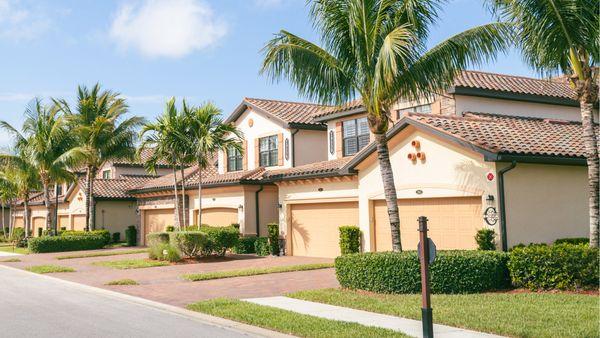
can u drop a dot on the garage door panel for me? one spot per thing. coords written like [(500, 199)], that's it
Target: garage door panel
[(219, 217), (63, 222), (452, 224), (19, 222), (314, 227), (157, 220), (38, 223), (78, 222)]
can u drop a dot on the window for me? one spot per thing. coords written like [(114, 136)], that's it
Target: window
[(424, 108), (268, 151), (355, 134), (234, 159), (106, 174)]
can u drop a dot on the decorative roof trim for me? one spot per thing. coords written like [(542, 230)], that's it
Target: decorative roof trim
[(505, 95)]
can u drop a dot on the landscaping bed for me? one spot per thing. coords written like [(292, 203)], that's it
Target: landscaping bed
[(254, 272), (524, 314)]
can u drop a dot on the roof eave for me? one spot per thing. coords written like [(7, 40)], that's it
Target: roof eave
[(542, 159), (504, 95), (307, 126), (340, 114)]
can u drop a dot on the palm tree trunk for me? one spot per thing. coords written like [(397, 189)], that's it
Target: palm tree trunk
[(183, 212), (177, 218), (3, 225), (86, 189), (26, 219), (46, 188), (389, 188), (199, 194), (92, 206), (591, 146)]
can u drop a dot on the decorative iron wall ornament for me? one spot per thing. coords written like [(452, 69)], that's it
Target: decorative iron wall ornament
[(490, 216), (287, 149), (331, 142)]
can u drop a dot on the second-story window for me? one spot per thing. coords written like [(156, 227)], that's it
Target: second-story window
[(424, 108), (106, 174), (268, 151), (234, 159), (355, 134)]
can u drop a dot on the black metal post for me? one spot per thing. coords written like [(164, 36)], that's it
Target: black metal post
[(426, 311)]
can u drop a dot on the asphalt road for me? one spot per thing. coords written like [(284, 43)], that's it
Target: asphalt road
[(37, 306)]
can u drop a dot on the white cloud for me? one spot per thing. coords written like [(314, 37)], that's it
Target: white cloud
[(166, 28), (20, 22)]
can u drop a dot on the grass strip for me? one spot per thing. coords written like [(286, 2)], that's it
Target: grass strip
[(11, 248), (11, 260), (287, 321), (126, 281), (41, 269), (195, 277), (102, 254), (507, 314), (131, 264)]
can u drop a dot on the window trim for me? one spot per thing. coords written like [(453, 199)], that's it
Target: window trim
[(270, 151), (237, 157), (106, 174), (357, 136)]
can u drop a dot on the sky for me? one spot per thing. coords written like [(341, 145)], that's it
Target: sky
[(150, 50)]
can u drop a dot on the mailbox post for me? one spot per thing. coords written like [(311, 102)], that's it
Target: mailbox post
[(426, 311)]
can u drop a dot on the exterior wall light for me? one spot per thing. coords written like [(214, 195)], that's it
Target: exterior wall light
[(240, 207)]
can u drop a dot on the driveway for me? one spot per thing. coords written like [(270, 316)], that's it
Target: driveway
[(164, 284), (39, 306)]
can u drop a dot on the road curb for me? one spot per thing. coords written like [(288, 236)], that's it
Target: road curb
[(197, 316)]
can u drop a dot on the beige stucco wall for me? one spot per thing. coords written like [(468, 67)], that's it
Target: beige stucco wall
[(545, 202), (268, 208), (511, 107), (116, 216), (448, 171), (310, 146)]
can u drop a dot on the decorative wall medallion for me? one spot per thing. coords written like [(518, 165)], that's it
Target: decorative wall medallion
[(490, 216), (287, 149), (250, 123)]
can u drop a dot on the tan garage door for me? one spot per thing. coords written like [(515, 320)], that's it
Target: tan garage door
[(157, 220), (63, 222), (314, 227), (78, 222), (19, 222), (452, 224), (217, 217), (38, 223)]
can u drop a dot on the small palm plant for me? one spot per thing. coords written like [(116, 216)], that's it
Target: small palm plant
[(208, 135), (561, 37), (101, 133), (376, 49)]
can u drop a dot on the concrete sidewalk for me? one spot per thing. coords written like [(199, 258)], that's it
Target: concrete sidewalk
[(408, 326), (8, 254)]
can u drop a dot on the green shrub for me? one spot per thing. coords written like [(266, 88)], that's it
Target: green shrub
[(157, 237), (116, 237), (273, 229), (219, 239), (399, 272), (66, 243), (170, 228), (349, 239), (485, 239), (75, 233), (17, 235), (561, 266), (164, 252), (131, 235), (261, 246), (190, 243), (246, 245), (574, 240)]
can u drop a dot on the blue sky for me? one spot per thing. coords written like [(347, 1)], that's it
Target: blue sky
[(151, 50)]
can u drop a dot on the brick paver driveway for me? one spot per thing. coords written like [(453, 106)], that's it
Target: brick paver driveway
[(164, 284)]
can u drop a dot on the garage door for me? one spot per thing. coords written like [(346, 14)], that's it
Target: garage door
[(39, 224), (19, 222), (314, 227), (218, 217), (63, 222), (78, 222), (157, 220), (452, 224)]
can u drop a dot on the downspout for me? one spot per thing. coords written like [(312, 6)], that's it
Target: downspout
[(502, 202), (257, 209), (294, 148)]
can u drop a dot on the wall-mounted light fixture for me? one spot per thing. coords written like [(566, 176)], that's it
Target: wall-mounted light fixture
[(490, 198), (279, 205), (240, 207), (320, 189)]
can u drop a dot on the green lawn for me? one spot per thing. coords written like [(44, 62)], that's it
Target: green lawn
[(102, 254), (254, 271), (10, 260), (511, 314), (131, 264), (49, 269), (10, 248), (123, 282), (286, 321)]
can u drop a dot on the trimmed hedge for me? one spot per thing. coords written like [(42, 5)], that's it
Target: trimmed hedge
[(485, 239), (131, 235), (273, 230), (219, 239), (116, 237), (349, 239), (261, 246), (76, 233), (66, 243), (561, 266), (190, 243), (451, 272), (157, 237), (246, 245), (157, 252), (574, 240)]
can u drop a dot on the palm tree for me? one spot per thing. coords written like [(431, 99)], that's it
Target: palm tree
[(8, 194), (46, 137), (163, 138), (17, 172), (561, 37), (101, 133), (207, 135), (376, 49)]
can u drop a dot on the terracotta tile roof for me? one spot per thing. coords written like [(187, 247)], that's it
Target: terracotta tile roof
[(556, 87), (141, 160), (289, 112), (118, 188), (511, 134), (313, 169)]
